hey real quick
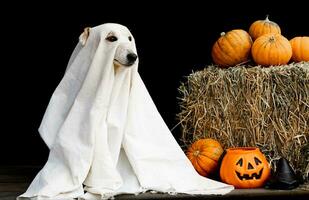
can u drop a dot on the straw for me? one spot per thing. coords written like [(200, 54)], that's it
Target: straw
[(250, 106)]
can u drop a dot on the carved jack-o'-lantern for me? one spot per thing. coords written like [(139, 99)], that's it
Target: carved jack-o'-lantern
[(244, 167)]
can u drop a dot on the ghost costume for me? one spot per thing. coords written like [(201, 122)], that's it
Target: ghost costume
[(105, 134)]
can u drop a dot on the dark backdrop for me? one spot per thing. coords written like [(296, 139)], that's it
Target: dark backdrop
[(172, 40)]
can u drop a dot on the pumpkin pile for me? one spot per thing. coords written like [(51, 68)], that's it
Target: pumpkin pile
[(264, 43)]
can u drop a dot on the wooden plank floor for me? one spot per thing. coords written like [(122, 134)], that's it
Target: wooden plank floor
[(14, 180)]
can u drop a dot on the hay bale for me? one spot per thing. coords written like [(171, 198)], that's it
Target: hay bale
[(250, 106)]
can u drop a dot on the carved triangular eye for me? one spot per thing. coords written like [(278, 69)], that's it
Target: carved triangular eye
[(239, 162), (257, 161), (250, 166)]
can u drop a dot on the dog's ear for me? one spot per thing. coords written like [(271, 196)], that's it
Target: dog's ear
[(84, 36)]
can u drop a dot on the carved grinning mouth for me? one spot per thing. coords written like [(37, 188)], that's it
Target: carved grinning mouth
[(248, 177)]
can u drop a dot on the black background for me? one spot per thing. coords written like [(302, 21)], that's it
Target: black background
[(173, 39)]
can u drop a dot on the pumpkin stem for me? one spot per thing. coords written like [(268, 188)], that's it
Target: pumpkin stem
[(222, 34), (196, 153), (272, 39), (267, 18)]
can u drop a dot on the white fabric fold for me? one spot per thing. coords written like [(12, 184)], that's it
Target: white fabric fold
[(105, 134)]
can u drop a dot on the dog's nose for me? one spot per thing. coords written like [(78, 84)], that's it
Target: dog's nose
[(131, 57)]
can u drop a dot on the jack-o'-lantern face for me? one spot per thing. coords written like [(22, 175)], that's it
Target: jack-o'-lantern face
[(244, 168), (249, 168)]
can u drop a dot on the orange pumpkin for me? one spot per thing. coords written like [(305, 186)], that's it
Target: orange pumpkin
[(262, 27), (244, 167), (300, 48), (271, 49), (204, 155), (232, 48)]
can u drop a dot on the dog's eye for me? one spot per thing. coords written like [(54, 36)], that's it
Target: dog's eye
[(112, 38), (130, 38)]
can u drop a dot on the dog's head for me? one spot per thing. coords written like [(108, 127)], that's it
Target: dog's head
[(125, 54)]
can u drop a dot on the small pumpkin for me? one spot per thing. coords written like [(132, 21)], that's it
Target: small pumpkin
[(244, 167), (262, 27), (232, 48), (300, 48), (271, 49), (204, 155)]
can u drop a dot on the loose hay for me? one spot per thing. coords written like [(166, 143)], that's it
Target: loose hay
[(250, 106)]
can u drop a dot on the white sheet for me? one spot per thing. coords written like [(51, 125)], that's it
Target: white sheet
[(104, 131)]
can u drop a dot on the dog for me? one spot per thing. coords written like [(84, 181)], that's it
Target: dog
[(124, 56)]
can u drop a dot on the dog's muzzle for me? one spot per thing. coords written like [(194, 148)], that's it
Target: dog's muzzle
[(125, 56)]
